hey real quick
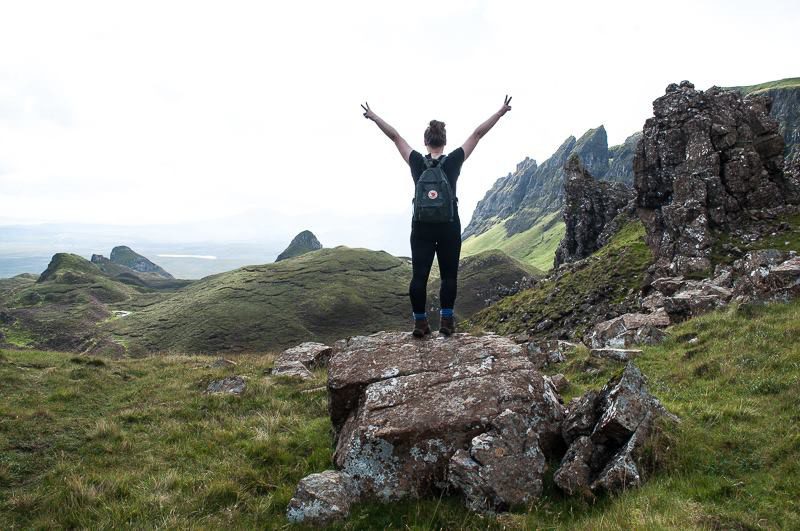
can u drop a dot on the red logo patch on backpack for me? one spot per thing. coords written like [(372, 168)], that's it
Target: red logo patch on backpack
[(433, 194)]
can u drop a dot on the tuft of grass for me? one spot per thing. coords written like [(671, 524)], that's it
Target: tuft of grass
[(789, 82)]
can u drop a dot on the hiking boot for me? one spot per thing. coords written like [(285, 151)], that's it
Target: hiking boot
[(448, 326), (421, 327)]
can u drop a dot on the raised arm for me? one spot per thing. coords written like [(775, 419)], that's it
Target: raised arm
[(482, 129), (391, 132)]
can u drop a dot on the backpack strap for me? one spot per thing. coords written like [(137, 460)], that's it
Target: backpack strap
[(430, 160)]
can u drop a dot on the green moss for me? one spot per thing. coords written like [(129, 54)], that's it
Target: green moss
[(613, 272), (784, 240), (535, 246)]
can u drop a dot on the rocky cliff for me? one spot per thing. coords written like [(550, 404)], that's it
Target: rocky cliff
[(589, 209), (708, 162), (784, 96), (122, 255), (303, 243), (521, 213)]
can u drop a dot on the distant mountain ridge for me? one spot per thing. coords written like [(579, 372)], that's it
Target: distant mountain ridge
[(520, 214), (522, 198)]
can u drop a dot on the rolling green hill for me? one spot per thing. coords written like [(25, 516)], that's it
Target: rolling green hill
[(320, 296), (62, 308), (317, 296)]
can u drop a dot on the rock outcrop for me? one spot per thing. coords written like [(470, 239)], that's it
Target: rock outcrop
[(607, 432), (589, 208), (125, 256), (303, 243), (465, 414), (708, 161), (785, 108)]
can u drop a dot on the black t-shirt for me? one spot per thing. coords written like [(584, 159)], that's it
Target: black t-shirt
[(452, 165)]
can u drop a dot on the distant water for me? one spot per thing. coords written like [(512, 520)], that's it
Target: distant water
[(205, 257)]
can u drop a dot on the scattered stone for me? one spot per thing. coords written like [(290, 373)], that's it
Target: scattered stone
[(234, 385), (544, 353), (630, 329), (322, 498), (299, 361), (606, 432), (310, 354), (581, 416), (573, 474), (617, 354), (293, 369)]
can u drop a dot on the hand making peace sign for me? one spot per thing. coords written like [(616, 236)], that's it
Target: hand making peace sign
[(368, 114), (506, 107)]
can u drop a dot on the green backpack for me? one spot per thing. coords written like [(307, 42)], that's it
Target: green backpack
[(433, 197)]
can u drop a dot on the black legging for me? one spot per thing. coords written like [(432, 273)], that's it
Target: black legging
[(443, 239)]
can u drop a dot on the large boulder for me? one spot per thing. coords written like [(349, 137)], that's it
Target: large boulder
[(470, 415), (707, 162), (589, 208), (401, 407)]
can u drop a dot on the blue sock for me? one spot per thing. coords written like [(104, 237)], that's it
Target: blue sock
[(418, 316), (446, 312)]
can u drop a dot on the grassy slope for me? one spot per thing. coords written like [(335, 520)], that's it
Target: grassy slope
[(535, 246), (134, 442), (612, 271), (781, 83)]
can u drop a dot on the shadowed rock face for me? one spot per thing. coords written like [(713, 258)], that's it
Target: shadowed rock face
[(589, 208), (303, 243), (707, 161)]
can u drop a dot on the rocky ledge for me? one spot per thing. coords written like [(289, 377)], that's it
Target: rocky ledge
[(471, 415)]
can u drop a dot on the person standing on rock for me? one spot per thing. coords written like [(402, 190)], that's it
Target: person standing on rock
[(435, 228)]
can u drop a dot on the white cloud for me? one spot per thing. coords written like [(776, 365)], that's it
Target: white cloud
[(165, 112)]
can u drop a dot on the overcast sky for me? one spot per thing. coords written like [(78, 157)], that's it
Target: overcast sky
[(248, 112)]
